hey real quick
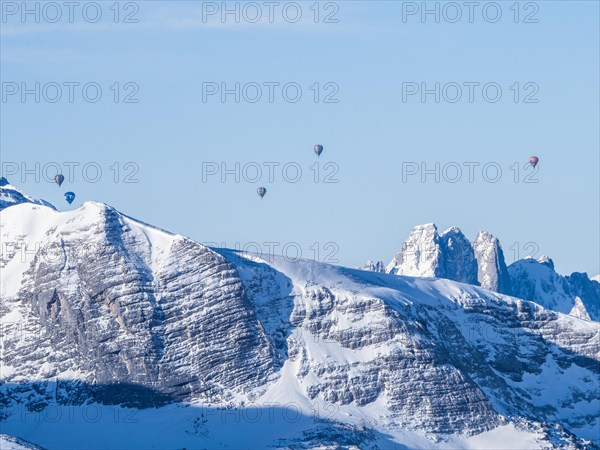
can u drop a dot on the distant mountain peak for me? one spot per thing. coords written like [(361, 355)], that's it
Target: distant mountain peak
[(537, 280), (11, 195), (546, 260), (427, 253), (492, 272), (452, 229), (420, 253), (374, 266)]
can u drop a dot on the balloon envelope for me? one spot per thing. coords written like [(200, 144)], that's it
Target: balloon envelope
[(59, 179), (533, 160), (318, 149), (261, 191), (69, 197)]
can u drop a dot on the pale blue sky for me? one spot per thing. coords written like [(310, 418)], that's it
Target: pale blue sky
[(368, 134)]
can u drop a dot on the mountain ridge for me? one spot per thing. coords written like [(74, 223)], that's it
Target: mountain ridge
[(427, 253), (105, 309)]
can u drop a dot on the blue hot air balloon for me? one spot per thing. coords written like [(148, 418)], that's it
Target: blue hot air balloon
[(69, 197), (59, 179), (261, 191), (318, 149)]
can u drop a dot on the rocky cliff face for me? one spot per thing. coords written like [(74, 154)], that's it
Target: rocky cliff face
[(492, 272), (422, 354), (587, 290), (458, 259), (420, 254), (537, 280), (426, 253), (106, 299)]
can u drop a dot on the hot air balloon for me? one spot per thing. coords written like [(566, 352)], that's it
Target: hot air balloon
[(261, 191), (533, 160), (59, 179), (69, 197), (318, 149)]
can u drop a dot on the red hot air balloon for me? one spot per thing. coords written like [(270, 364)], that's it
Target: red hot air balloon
[(533, 160)]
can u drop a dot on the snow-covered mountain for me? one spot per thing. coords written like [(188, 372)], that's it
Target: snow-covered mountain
[(538, 281), (374, 266), (492, 272), (10, 195), (458, 258), (180, 345), (426, 253), (126, 301), (420, 255), (14, 443)]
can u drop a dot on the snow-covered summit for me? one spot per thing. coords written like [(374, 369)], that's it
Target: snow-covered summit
[(492, 272), (420, 255), (10, 195), (544, 259), (536, 280), (426, 253), (371, 266)]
